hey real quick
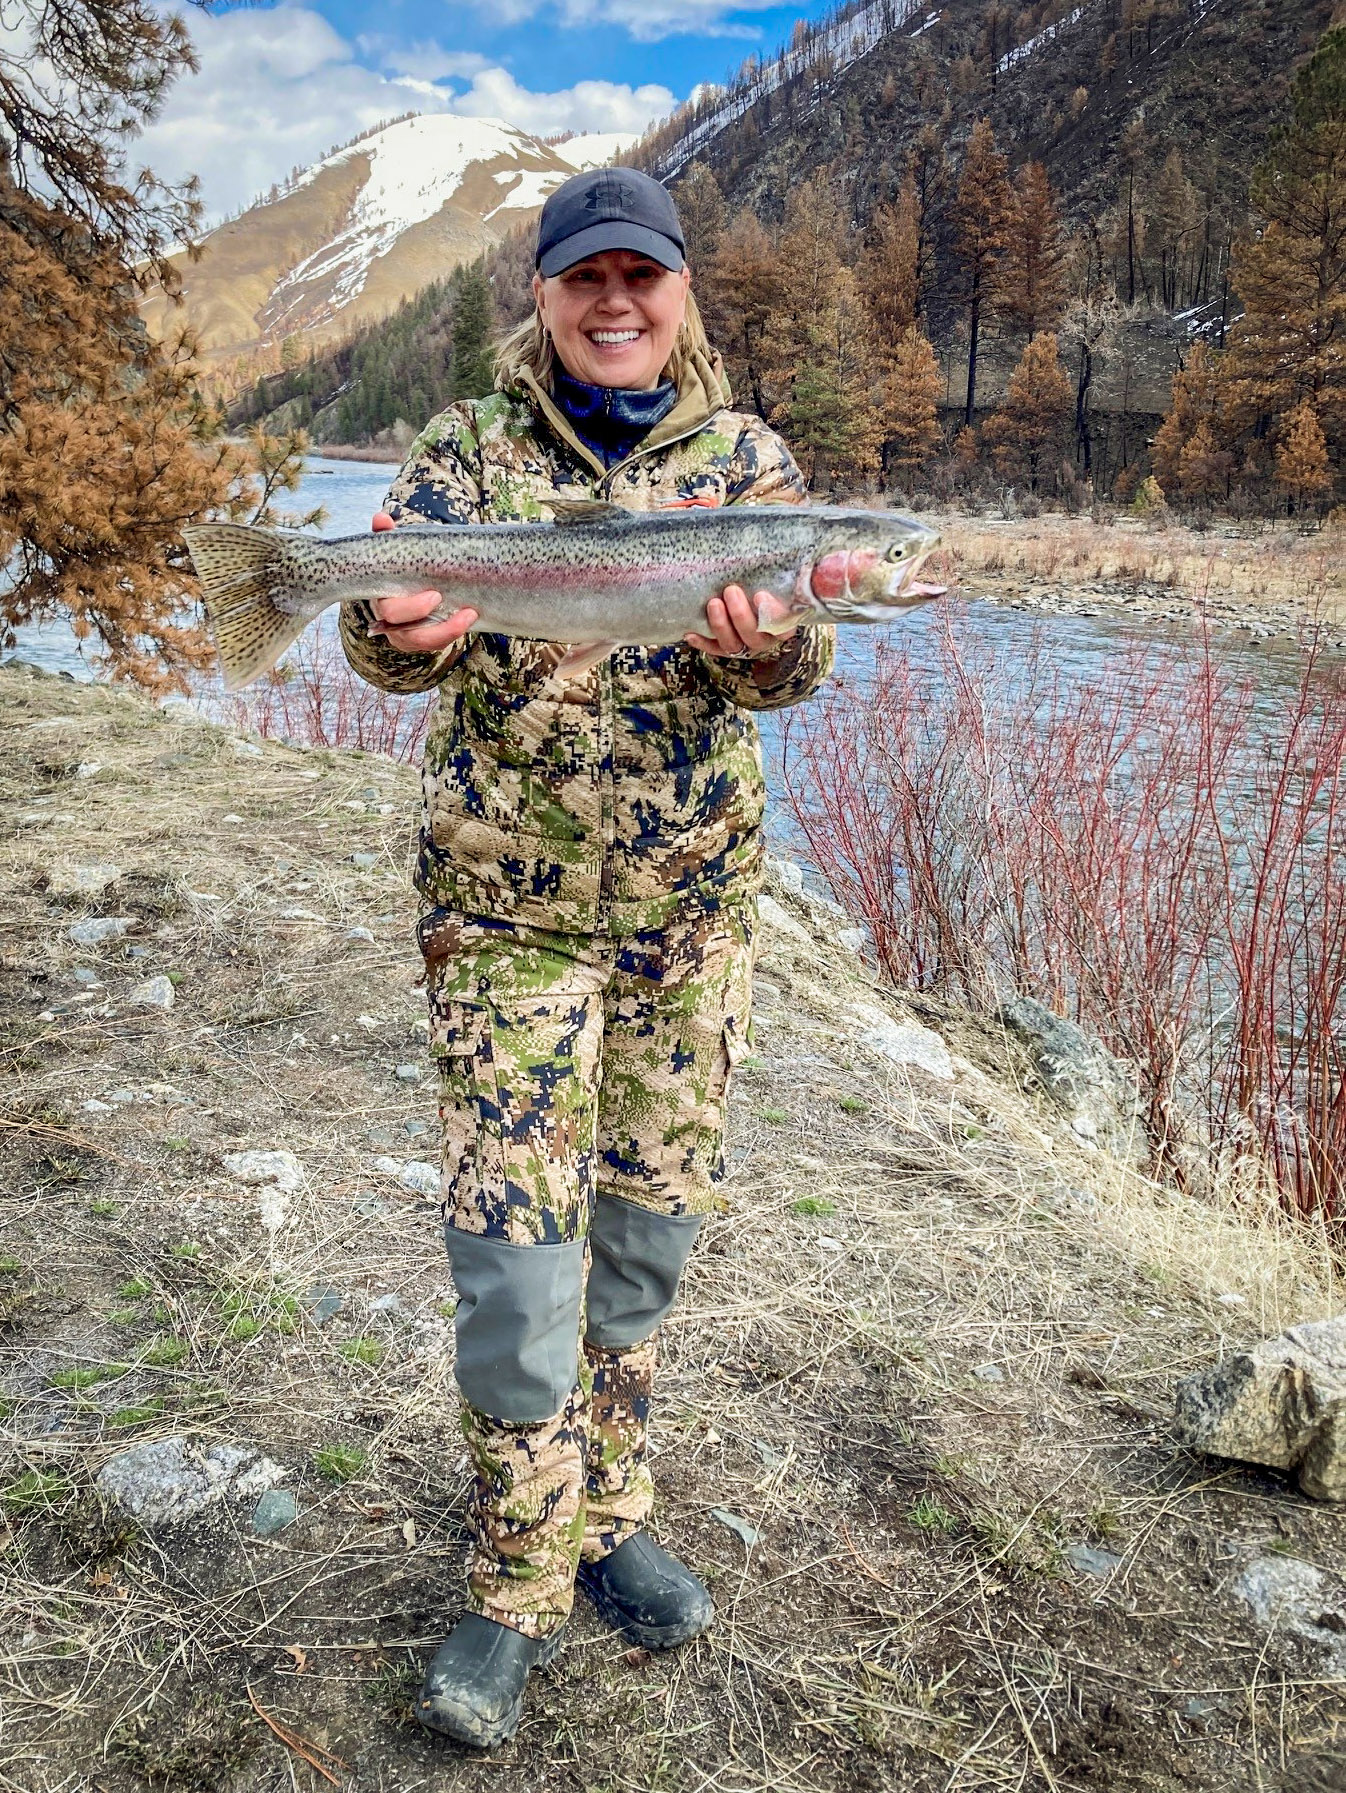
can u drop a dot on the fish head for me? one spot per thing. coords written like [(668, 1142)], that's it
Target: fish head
[(865, 567)]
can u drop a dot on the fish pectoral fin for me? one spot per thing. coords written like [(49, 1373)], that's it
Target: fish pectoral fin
[(775, 625), (577, 660), (586, 510)]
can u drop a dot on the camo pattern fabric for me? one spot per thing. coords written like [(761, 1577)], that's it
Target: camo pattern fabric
[(621, 800), (568, 1067), (618, 1487), (571, 1066), (527, 1515)]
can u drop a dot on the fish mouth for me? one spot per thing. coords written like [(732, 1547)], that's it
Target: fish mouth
[(908, 588)]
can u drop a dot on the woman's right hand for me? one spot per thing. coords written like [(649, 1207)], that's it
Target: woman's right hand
[(401, 619)]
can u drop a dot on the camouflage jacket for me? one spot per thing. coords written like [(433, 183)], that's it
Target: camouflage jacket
[(634, 795)]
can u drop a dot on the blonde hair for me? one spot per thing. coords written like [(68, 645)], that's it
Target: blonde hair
[(529, 345)]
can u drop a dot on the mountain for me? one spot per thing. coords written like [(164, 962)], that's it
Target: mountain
[(369, 226)]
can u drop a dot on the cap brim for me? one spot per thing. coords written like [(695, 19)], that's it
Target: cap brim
[(613, 234)]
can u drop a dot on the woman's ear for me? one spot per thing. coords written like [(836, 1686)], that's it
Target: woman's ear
[(538, 290)]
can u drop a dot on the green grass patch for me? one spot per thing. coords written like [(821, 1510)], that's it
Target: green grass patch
[(174, 1142), (340, 1462), (852, 1105), (35, 1491), (88, 1377), (929, 1516), (777, 1116), (137, 1416), (188, 1249), (753, 1062), (104, 1209), (816, 1207), (164, 1353), (10, 1266), (242, 1328), (366, 1351), (250, 1311), (136, 1289)]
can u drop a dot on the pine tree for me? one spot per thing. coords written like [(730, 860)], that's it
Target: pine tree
[(889, 267), (1302, 469), (473, 374), (981, 223), (738, 298), (1029, 432), (1197, 407), (1032, 275), (911, 389), (1173, 215), (702, 209)]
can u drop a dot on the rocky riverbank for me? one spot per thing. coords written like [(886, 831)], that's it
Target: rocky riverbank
[(915, 1424)]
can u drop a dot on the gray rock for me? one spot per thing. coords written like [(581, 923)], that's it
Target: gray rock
[(388, 1167), (296, 914), (370, 793), (788, 875), (989, 1372), (772, 916), (738, 1525), (94, 1106), (408, 1073), (415, 1129), (1090, 1560), (322, 1304), (1092, 1089), (364, 862), (100, 928), (80, 880), (369, 1207), (359, 934), (1286, 1594), (902, 1042), (1282, 1403), (852, 940), (275, 1509), (86, 977), (420, 1177), (281, 1168), (170, 1479), (249, 748), (386, 1304), (154, 993)]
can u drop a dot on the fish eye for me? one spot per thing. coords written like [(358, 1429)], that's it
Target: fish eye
[(898, 551)]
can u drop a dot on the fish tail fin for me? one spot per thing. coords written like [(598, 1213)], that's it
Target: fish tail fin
[(241, 572)]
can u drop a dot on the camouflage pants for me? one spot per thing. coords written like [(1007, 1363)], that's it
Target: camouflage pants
[(582, 1086)]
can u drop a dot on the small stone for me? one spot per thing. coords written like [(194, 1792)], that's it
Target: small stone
[(408, 1073), (1090, 1560), (904, 1042), (273, 1209), (280, 1167), (740, 1527), (788, 875), (249, 748), (275, 1509), (1282, 1403), (88, 768), (231, 817), (370, 793), (773, 916), (360, 934), (388, 1167), (154, 993), (170, 1479), (81, 880), (369, 1207), (415, 1129), (386, 1304), (852, 940), (322, 1303), (293, 914), (420, 1177), (1084, 1126), (99, 928), (1286, 1594), (989, 1372), (83, 975), (122, 1096), (364, 862), (419, 1030), (94, 1106), (139, 952)]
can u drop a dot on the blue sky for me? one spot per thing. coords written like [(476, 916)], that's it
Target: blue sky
[(280, 83)]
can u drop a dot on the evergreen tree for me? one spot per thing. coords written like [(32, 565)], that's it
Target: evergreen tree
[(1196, 407), (1029, 432), (910, 398), (702, 209), (739, 297), (981, 214), (889, 267), (1302, 470), (473, 373), (1032, 275)]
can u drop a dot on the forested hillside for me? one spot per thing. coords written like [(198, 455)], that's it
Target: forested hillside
[(948, 249)]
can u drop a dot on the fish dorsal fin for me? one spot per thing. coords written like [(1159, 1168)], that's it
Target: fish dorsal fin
[(586, 510)]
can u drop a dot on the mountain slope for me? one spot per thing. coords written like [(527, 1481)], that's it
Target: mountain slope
[(367, 227)]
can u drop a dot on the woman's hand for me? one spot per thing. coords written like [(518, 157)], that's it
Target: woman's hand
[(733, 621), (401, 619)]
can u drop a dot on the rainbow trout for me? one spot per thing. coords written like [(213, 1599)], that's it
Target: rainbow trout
[(597, 578)]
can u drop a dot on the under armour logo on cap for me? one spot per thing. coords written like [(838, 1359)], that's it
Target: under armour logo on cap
[(608, 208)]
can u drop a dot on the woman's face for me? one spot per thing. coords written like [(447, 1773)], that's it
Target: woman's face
[(613, 317)]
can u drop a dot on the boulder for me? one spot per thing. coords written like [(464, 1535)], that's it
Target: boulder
[(170, 1479), (1282, 1403), (1093, 1090), (901, 1042)]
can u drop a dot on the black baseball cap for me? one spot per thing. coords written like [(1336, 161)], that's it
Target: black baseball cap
[(608, 208)]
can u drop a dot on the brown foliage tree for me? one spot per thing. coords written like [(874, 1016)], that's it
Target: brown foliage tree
[(1032, 276), (1029, 433), (889, 267), (1302, 469), (702, 209), (911, 389), (739, 295), (981, 212), (1197, 405)]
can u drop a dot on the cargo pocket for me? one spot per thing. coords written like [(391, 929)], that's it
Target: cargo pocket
[(460, 1045)]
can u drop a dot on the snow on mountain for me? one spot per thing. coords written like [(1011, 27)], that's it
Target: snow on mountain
[(370, 225)]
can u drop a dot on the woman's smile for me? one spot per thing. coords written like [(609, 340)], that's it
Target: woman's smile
[(614, 317)]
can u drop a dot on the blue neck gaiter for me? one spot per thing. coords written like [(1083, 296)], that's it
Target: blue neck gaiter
[(611, 420)]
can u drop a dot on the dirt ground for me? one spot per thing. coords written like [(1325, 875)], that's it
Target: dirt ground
[(913, 1425)]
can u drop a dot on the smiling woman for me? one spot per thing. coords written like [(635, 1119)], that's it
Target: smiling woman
[(590, 854)]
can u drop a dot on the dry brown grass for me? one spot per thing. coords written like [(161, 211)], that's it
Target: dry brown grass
[(1253, 569), (907, 1620)]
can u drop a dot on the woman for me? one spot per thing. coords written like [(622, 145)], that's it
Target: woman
[(589, 856)]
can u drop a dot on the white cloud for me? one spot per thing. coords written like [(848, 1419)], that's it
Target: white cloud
[(277, 88), (646, 20)]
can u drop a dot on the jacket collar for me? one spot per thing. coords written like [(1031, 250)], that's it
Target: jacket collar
[(702, 391)]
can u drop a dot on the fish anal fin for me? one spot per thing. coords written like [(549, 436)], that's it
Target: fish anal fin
[(578, 660), (586, 510)]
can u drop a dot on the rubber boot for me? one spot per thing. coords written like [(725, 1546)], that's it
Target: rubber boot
[(475, 1683), (647, 1594)]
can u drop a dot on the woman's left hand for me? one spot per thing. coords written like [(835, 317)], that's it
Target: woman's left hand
[(733, 622)]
